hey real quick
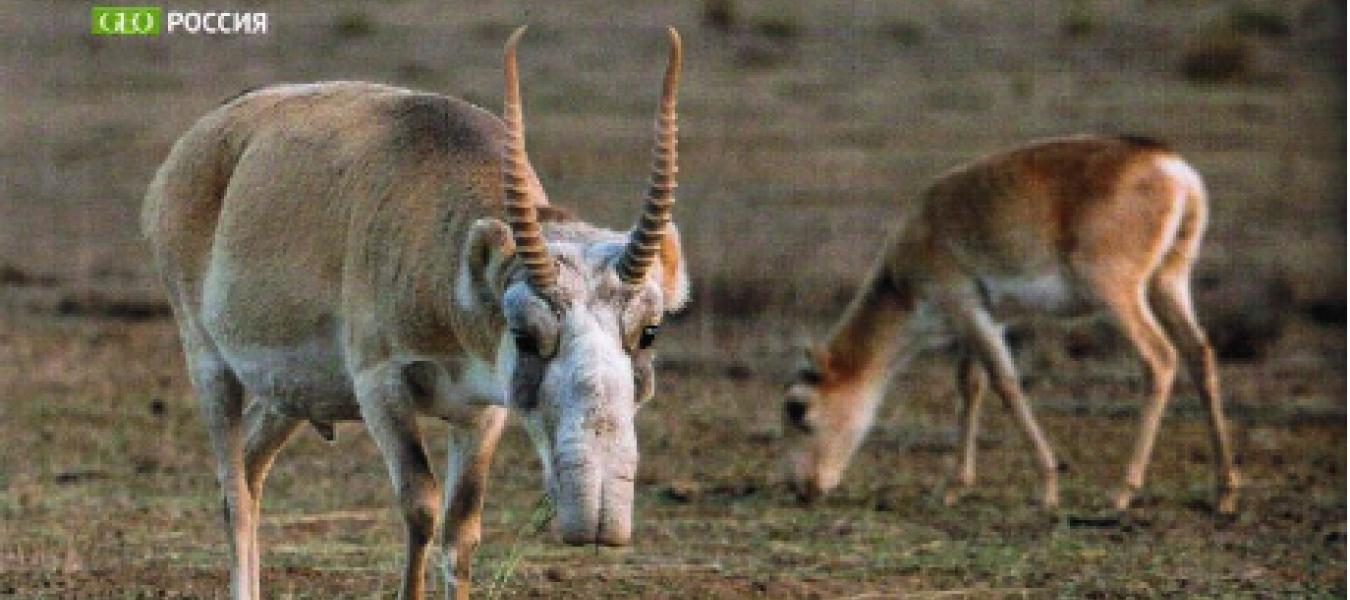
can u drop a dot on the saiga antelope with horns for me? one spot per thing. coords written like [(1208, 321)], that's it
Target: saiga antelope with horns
[(1065, 227), (352, 251)]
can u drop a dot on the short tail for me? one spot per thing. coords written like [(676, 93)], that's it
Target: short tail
[(1194, 216)]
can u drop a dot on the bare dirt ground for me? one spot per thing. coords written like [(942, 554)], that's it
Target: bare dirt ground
[(804, 125)]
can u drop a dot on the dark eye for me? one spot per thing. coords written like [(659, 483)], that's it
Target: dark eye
[(810, 377), (525, 343), (795, 411), (648, 336)]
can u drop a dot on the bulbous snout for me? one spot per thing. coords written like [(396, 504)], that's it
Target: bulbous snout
[(585, 433), (595, 509), (596, 463)]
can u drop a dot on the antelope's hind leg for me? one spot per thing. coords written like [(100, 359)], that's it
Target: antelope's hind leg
[(267, 432), (220, 397), (1127, 300), (1170, 297), (971, 381)]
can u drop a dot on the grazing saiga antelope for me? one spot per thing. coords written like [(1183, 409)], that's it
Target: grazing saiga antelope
[(352, 251), (1065, 227)]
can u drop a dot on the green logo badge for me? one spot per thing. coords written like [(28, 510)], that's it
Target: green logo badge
[(104, 20)]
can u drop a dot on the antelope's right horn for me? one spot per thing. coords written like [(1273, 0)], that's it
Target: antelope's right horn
[(521, 214)]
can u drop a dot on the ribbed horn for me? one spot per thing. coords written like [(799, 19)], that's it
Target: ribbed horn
[(644, 243), (520, 207)]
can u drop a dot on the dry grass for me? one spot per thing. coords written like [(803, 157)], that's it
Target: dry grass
[(792, 166)]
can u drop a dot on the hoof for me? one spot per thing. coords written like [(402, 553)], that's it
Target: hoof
[(1121, 500), (1226, 503), (1050, 499), (953, 496)]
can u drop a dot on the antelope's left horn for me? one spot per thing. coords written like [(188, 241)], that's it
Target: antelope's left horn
[(644, 243)]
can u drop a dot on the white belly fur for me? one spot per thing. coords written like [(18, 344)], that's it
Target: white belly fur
[(1044, 293), (305, 381), (310, 381)]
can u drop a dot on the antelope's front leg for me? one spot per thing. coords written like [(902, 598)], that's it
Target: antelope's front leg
[(387, 409), (470, 458), (986, 337)]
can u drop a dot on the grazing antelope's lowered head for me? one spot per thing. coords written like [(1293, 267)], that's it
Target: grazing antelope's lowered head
[(837, 384), (821, 424), (582, 307)]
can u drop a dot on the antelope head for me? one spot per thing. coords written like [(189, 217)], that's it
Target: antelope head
[(820, 427), (582, 307)]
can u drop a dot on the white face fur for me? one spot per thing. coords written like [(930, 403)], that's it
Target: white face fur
[(580, 368)]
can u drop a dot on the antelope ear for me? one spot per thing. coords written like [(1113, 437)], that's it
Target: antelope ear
[(674, 275), (488, 247)]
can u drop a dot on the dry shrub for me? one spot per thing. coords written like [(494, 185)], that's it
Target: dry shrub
[(905, 32), (1080, 22), (1221, 58), (761, 53), (778, 27), (1255, 20), (1244, 316), (720, 15), (354, 25), (496, 31), (11, 275)]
